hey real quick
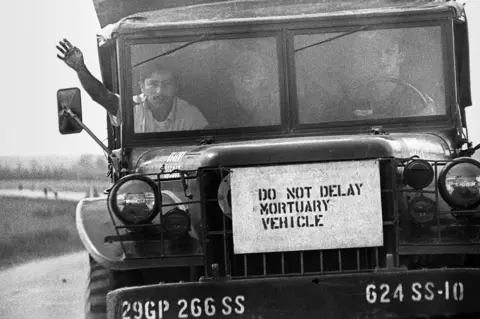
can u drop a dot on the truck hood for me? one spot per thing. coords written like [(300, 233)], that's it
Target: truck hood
[(291, 150)]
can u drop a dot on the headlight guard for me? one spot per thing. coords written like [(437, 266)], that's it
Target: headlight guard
[(134, 199), (459, 183)]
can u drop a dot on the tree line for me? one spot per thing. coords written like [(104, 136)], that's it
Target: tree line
[(88, 167)]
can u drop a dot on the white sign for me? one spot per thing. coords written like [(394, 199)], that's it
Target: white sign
[(306, 207)]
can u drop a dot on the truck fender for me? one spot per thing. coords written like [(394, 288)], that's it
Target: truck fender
[(94, 223)]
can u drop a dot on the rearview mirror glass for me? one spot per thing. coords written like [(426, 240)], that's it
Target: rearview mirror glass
[(71, 99)]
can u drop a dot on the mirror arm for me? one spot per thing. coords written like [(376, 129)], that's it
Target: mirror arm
[(470, 150), (115, 160), (75, 117)]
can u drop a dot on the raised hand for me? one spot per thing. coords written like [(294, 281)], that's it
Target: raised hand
[(70, 54)]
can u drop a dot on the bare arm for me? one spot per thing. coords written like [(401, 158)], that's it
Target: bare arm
[(73, 57)]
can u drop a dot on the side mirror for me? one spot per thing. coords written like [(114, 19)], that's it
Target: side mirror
[(69, 99)]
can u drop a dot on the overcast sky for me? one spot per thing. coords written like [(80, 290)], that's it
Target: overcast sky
[(32, 75)]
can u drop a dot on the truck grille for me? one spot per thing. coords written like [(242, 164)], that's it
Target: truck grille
[(445, 235), (220, 257), (305, 262)]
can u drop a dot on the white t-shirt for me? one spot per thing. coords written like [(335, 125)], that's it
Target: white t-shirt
[(182, 117)]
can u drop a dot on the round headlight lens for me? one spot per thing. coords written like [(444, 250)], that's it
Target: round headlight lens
[(176, 223), (134, 199), (418, 174), (422, 210), (459, 183)]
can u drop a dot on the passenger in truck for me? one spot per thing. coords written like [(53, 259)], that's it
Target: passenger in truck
[(255, 89), (156, 109)]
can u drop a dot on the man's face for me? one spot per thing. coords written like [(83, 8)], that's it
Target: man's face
[(250, 80), (390, 59), (160, 89), (377, 56)]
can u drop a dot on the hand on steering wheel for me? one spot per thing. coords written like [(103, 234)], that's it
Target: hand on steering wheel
[(411, 109)]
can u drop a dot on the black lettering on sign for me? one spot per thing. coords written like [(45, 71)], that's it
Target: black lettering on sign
[(337, 190), (299, 207), (358, 186), (298, 192), (311, 206), (273, 222), (332, 191), (265, 222), (290, 206), (301, 221), (273, 208), (263, 208), (284, 222), (318, 220), (350, 191), (267, 194)]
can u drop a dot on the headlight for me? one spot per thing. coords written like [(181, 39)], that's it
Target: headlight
[(176, 220), (459, 183), (176, 223), (422, 210), (418, 174), (134, 199)]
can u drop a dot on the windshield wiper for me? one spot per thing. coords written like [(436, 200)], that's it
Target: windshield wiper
[(333, 38), (200, 38)]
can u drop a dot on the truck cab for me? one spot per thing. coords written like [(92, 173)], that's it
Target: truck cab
[(278, 159)]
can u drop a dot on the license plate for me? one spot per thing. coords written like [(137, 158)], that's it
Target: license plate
[(396, 294), (385, 293), (183, 308)]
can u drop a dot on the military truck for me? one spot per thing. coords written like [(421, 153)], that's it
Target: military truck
[(334, 179)]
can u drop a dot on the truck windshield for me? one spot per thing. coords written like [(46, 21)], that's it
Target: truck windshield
[(358, 74), (218, 84), (370, 74)]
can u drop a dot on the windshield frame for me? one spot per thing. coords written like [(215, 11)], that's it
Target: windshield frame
[(448, 76), (193, 136), (284, 32)]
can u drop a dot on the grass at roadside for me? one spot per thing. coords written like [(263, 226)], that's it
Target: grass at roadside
[(33, 228), (56, 185)]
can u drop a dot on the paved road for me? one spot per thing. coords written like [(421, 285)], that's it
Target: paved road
[(45, 289), (50, 288)]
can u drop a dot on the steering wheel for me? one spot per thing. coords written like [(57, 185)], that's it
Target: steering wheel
[(413, 109)]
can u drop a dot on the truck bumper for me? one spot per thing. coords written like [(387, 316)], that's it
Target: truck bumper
[(392, 294)]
